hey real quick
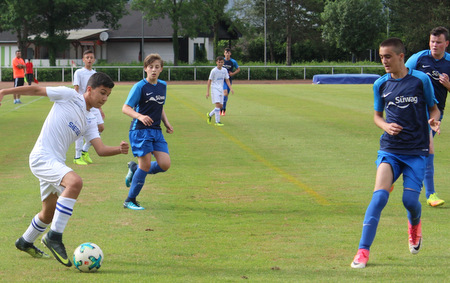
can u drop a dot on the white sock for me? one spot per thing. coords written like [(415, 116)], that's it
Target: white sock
[(217, 113), (36, 228), (78, 147), (86, 146), (63, 211), (212, 112)]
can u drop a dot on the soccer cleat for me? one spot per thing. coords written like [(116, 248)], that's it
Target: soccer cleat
[(85, 156), (132, 166), (219, 124), (415, 237), (133, 205), (361, 259), (208, 119), (434, 200), (79, 161), (30, 249), (57, 248)]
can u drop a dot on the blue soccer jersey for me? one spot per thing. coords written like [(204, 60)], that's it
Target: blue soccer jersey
[(147, 99), (230, 65), (423, 61), (405, 102)]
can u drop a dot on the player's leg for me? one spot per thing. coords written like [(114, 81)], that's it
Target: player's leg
[(412, 181), (72, 184), (144, 164), (37, 227), (225, 100), (383, 182), (430, 193), (78, 149)]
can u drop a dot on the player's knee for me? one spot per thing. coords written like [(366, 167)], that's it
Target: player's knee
[(410, 199)]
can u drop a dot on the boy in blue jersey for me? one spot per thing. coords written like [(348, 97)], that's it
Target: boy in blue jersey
[(233, 68), (405, 96), (145, 105), (434, 62)]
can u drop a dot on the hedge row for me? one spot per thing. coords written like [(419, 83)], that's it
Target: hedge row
[(201, 73)]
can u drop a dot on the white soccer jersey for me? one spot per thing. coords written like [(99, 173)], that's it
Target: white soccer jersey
[(81, 78), (217, 78), (67, 121)]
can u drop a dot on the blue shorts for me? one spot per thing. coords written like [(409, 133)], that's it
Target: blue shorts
[(146, 141), (412, 167)]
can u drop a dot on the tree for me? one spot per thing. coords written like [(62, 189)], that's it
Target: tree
[(180, 12), (412, 20), (51, 19), (353, 25)]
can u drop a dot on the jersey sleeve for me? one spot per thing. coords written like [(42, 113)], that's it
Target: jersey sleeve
[(211, 75), (76, 78), (428, 89), (134, 95), (60, 93), (378, 103), (235, 63), (411, 63)]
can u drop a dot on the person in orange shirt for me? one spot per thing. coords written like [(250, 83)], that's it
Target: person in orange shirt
[(18, 73)]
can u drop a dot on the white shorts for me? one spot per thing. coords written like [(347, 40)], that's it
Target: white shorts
[(50, 173), (217, 97), (97, 115)]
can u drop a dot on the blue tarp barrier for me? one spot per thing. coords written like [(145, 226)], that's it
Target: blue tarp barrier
[(345, 79)]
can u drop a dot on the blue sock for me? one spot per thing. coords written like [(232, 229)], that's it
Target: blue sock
[(154, 168), (372, 217), (225, 100), (429, 176), (137, 184), (412, 205)]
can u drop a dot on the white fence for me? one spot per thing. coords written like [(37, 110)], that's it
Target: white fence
[(245, 70)]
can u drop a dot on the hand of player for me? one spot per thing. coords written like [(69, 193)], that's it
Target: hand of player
[(232, 90), (435, 125), (444, 79), (124, 146), (169, 129), (146, 120), (393, 129), (207, 95)]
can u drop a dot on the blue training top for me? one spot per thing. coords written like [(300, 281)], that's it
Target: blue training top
[(406, 103), (423, 61), (147, 99), (230, 65)]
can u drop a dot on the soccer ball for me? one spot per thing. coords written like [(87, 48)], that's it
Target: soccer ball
[(88, 257)]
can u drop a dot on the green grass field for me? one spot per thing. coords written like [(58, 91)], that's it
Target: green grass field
[(277, 195)]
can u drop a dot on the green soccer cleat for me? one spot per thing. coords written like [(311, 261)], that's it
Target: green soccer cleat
[(79, 161), (54, 243), (219, 124), (85, 156), (208, 119), (30, 249), (132, 205), (434, 200)]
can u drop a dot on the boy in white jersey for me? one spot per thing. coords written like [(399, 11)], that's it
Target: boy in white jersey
[(60, 186), (80, 79), (215, 83)]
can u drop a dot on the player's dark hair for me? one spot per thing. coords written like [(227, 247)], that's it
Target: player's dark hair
[(437, 31), (219, 58), (227, 49), (100, 79), (88, 51), (396, 43)]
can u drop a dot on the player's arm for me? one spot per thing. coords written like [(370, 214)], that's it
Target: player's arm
[(164, 119), (208, 87), (106, 150), (235, 72), (128, 110), (229, 85), (24, 90), (76, 87), (390, 128), (435, 115)]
